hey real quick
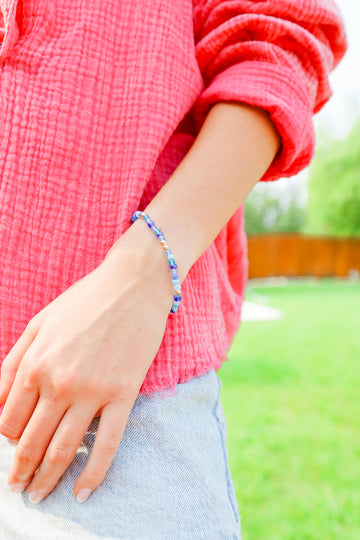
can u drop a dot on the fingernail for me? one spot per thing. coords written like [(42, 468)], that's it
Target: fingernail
[(35, 496), (83, 495), (12, 442), (17, 488)]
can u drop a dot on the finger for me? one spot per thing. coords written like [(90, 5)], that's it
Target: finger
[(13, 442), (33, 444), (23, 396), (110, 431), (61, 450), (12, 360), (17, 410)]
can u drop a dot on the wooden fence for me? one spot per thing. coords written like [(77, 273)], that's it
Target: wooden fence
[(298, 255)]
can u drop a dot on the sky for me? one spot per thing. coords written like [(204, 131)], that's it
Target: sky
[(345, 79), (338, 113)]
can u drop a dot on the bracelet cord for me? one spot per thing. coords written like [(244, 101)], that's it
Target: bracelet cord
[(168, 253)]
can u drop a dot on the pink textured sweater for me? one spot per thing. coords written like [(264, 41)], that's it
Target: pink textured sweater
[(101, 100)]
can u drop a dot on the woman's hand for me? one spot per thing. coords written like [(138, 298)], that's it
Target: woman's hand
[(86, 354)]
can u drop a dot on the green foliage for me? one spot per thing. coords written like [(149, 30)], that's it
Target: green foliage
[(334, 187), (266, 212), (290, 395)]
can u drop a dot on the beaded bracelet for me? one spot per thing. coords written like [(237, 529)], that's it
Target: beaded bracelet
[(168, 253)]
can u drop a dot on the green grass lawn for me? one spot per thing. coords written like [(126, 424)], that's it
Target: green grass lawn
[(291, 396)]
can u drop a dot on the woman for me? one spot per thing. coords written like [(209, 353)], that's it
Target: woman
[(176, 109)]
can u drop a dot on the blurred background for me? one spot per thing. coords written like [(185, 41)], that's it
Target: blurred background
[(291, 389)]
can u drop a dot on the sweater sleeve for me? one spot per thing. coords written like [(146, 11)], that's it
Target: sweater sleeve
[(276, 55)]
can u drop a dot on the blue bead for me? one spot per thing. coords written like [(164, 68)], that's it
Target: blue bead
[(168, 253)]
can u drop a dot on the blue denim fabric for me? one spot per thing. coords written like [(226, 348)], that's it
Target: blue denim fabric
[(170, 478)]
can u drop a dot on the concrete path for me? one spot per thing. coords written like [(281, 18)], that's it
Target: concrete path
[(257, 312)]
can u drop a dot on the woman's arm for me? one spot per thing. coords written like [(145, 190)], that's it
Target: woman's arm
[(88, 352), (232, 151)]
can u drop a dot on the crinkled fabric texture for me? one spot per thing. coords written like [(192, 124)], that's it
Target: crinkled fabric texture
[(170, 478), (99, 103)]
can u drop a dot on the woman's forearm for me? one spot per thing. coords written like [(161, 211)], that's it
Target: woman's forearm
[(233, 149)]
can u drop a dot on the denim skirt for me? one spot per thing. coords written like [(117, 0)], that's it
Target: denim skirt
[(170, 478)]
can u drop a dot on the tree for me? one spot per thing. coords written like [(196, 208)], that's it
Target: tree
[(275, 207), (334, 187)]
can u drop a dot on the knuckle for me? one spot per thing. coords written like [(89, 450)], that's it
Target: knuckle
[(95, 477), (6, 366), (32, 325), (110, 445), (60, 454), (8, 430), (125, 389), (30, 357), (65, 382), (32, 379), (26, 454), (33, 370), (62, 385), (93, 387)]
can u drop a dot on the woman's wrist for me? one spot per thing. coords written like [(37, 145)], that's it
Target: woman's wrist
[(146, 260), (233, 150)]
